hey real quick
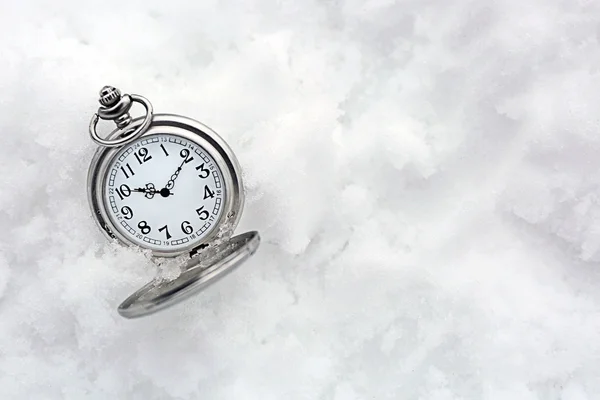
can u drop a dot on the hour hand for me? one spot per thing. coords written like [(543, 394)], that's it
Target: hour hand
[(149, 190)]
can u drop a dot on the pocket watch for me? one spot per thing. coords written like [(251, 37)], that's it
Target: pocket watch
[(171, 185)]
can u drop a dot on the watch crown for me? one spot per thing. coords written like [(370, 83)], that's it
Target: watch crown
[(109, 96)]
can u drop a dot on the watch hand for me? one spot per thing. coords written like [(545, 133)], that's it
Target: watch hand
[(171, 182), (184, 153), (144, 190), (149, 190)]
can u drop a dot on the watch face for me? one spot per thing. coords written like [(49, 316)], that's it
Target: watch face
[(164, 192)]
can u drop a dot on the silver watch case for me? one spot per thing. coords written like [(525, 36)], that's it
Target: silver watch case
[(210, 259), (191, 130)]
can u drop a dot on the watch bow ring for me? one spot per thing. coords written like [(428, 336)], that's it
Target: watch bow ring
[(171, 185), (115, 107)]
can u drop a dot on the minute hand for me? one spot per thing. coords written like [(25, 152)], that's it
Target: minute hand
[(185, 154)]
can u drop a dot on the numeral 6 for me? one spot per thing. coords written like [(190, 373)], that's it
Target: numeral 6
[(186, 227)]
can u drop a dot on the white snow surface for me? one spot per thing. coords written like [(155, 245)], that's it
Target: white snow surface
[(425, 176)]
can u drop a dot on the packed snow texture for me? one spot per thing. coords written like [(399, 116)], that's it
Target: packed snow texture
[(425, 175)]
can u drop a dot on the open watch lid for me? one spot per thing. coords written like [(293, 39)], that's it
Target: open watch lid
[(198, 272)]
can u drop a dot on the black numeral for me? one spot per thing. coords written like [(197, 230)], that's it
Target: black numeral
[(165, 150), (142, 155), (185, 153), (202, 214), (165, 228), (125, 171), (186, 227), (143, 225), (124, 191), (208, 194), (127, 212), (204, 173)]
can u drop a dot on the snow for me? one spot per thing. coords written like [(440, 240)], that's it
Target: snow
[(424, 175)]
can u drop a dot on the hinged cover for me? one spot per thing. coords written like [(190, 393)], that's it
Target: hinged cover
[(199, 272)]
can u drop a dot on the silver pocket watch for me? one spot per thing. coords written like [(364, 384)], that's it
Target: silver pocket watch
[(168, 184)]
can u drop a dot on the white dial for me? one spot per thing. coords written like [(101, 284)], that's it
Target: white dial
[(164, 192)]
